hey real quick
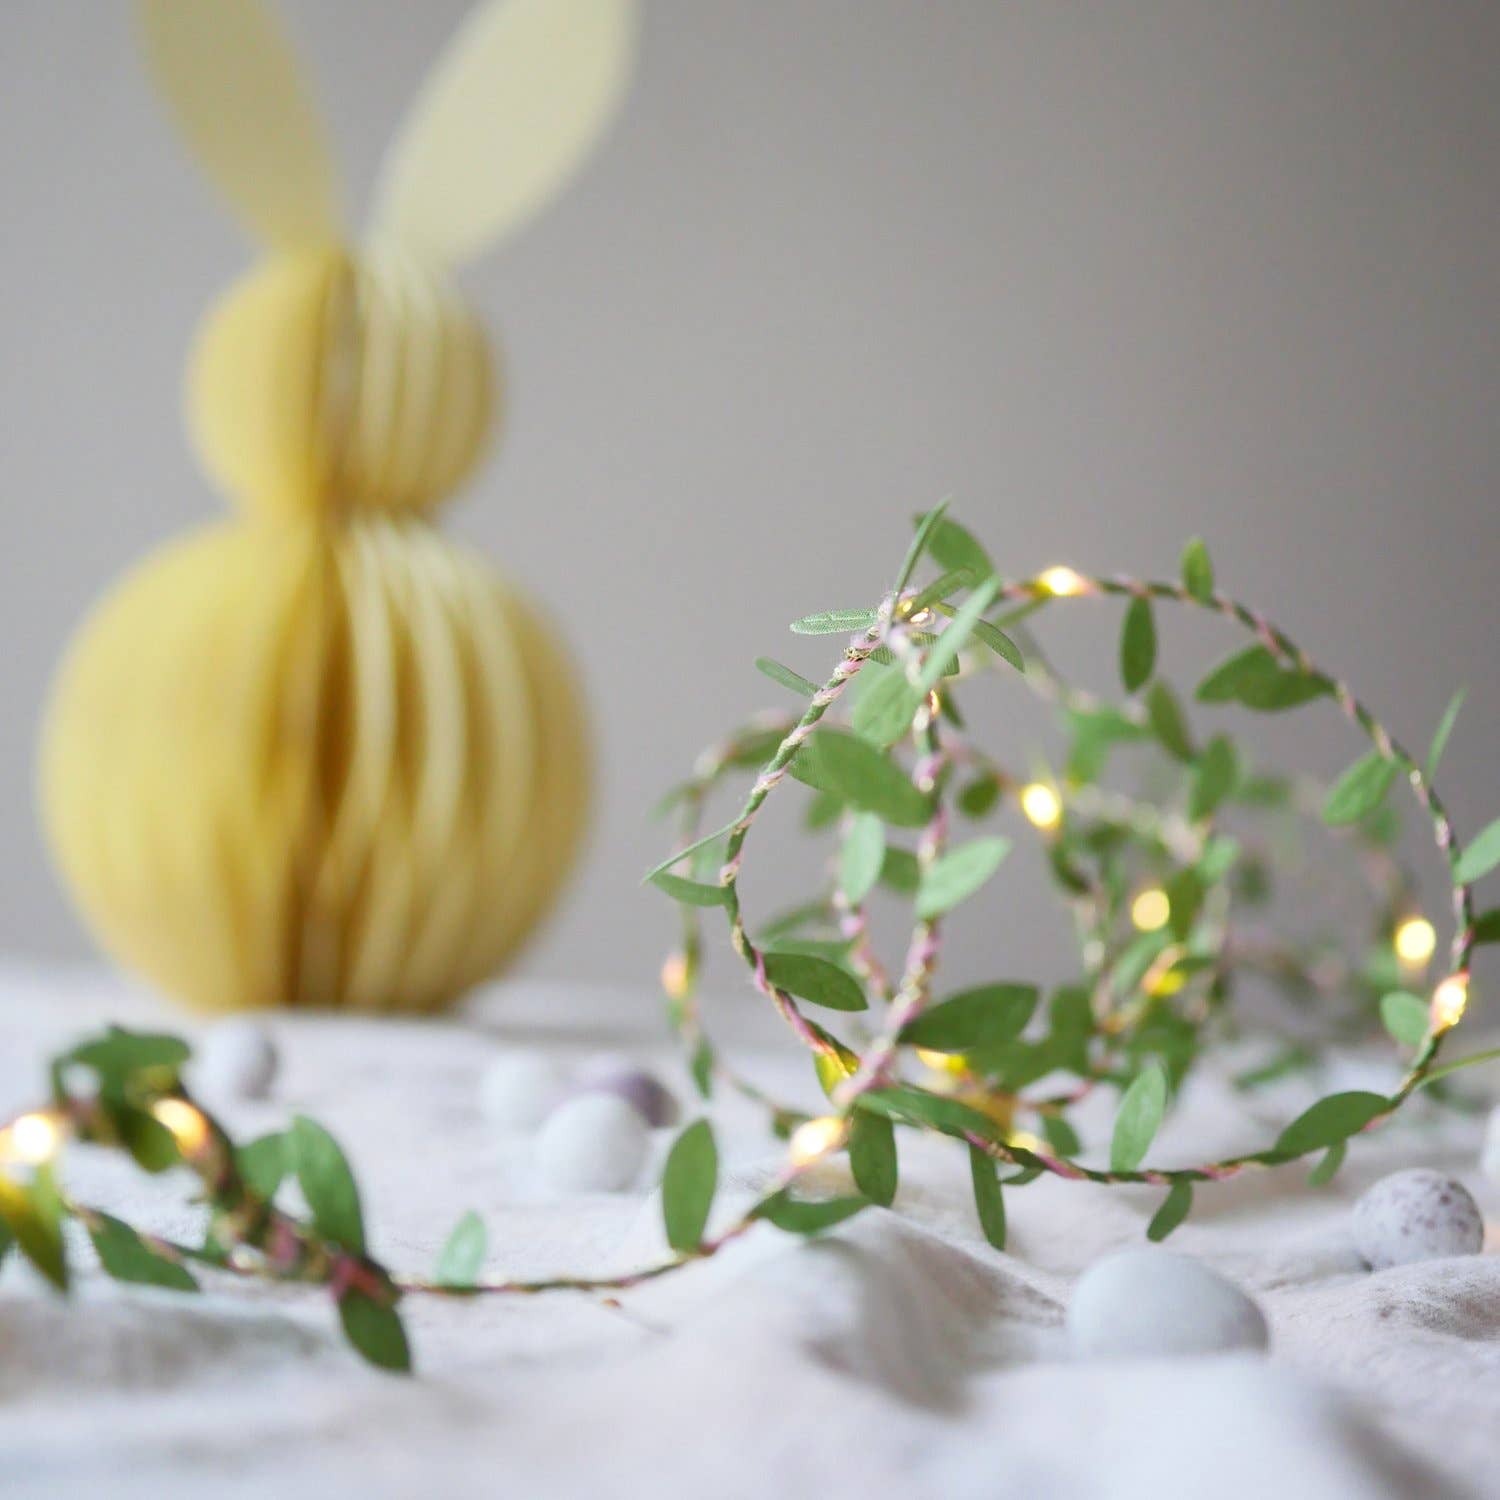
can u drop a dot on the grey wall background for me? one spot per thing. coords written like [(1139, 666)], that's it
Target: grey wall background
[(1109, 273)]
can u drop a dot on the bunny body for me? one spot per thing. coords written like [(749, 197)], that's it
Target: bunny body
[(318, 754)]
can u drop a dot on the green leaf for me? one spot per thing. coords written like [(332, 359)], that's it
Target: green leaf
[(960, 627), (1139, 1117), (1000, 643), (34, 1220), (375, 1331), (1487, 927), (979, 796), (1198, 571), (872, 1157), (986, 1016), (1061, 1136), (863, 776), (823, 810), (119, 1053), (899, 871), (683, 853), (1360, 790), (833, 1063), (803, 1216), (671, 799), (989, 1202), (958, 874), (1219, 856), (926, 526), (1214, 777), (1070, 1022), (953, 546), (327, 1184), (1185, 895), (784, 676), (151, 1145), (1174, 1209), (263, 1163), (1293, 1059), (992, 636), (1166, 720), (688, 1183), (689, 892), (1488, 1056), (1444, 729), (1330, 1120), (1222, 683), (1404, 1015), (815, 980), (883, 713), (702, 1069), (1331, 1160), (834, 622), (913, 1106), (862, 857), (1255, 678), (793, 919), (835, 949), (463, 1252), (127, 1257), (752, 750), (1480, 857), (937, 591), (1137, 644)]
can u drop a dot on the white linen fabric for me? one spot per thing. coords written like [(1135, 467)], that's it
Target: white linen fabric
[(898, 1356)]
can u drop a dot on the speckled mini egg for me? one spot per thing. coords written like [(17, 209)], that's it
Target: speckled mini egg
[(643, 1091), (518, 1090), (235, 1060), (1149, 1302), (1416, 1215), (596, 1143)]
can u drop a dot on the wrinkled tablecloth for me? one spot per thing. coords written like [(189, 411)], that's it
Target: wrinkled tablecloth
[(898, 1356)]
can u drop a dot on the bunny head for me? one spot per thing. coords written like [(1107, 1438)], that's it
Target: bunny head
[(333, 378)]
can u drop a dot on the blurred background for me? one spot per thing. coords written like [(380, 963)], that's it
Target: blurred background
[(1110, 275)]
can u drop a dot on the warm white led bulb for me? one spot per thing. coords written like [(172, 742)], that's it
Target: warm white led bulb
[(1061, 581), (189, 1128), (815, 1138), (1151, 910), (1449, 1000), (1415, 940), (676, 977), (31, 1139), (1042, 806)]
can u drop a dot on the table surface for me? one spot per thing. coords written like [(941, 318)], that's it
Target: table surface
[(898, 1356)]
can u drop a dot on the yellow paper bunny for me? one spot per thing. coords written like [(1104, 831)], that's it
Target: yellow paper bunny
[(318, 754)]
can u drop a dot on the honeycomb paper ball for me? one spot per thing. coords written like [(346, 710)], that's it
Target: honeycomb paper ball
[(292, 763), (325, 380)]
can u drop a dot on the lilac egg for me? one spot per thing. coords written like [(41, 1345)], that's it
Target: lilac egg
[(641, 1090)]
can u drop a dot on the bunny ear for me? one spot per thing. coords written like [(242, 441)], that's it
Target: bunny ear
[(242, 104), (514, 105)]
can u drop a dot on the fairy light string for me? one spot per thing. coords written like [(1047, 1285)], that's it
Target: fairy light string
[(132, 1082), (1449, 997)]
